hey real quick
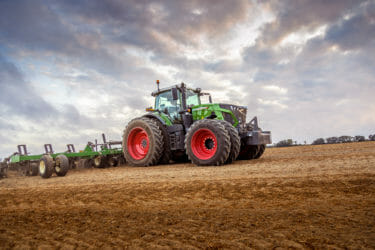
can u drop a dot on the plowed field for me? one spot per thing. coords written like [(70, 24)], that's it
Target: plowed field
[(298, 197)]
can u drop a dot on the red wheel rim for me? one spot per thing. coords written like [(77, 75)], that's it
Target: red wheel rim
[(138, 143), (204, 144)]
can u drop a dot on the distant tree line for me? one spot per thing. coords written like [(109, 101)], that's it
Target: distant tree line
[(329, 140), (286, 143), (343, 139)]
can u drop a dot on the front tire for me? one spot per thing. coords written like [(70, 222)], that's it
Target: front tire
[(262, 148), (248, 152), (235, 141), (142, 142), (207, 143)]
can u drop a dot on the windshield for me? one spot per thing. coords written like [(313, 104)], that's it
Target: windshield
[(192, 98), (164, 102)]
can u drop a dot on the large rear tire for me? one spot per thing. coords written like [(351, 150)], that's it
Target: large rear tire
[(207, 143), (142, 142), (62, 165), (46, 166), (235, 141), (167, 153)]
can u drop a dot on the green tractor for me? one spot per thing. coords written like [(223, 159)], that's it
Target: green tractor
[(180, 127)]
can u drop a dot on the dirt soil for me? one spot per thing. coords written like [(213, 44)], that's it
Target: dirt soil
[(298, 197)]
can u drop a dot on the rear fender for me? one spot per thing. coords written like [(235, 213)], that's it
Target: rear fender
[(160, 117)]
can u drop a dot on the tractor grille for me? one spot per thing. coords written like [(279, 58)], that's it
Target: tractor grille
[(238, 111)]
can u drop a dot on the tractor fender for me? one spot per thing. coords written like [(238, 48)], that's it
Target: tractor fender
[(153, 116)]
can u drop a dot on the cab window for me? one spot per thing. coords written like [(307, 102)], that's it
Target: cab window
[(164, 102), (192, 98)]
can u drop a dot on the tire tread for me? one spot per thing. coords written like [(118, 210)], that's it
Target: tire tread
[(222, 132), (234, 139), (158, 139)]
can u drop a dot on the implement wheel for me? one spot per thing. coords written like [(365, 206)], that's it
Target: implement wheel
[(3, 170), (100, 161), (142, 142), (207, 143), (113, 161), (85, 163), (62, 165), (46, 165), (34, 169)]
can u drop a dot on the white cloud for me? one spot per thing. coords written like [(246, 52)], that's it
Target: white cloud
[(275, 103), (300, 37), (276, 89)]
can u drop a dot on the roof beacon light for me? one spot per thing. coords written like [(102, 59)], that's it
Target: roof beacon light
[(157, 82)]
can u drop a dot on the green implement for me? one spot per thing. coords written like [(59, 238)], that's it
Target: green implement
[(93, 155)]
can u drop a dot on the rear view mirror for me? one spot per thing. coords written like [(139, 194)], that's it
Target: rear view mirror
[(174, 94)]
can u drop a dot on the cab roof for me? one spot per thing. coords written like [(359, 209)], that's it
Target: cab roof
[(182, 85)]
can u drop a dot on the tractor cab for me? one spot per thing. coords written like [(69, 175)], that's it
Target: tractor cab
[(175, 100)]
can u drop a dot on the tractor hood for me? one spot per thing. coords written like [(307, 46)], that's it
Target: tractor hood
[(238, 111), (234, 114)]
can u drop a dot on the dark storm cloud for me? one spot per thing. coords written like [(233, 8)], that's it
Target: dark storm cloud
[(34, 25), (154, 24), (357, 32), (294, 15), (37, 26), (186, 19), (354, 34), (97, 34), (349, 26), (17, 96)]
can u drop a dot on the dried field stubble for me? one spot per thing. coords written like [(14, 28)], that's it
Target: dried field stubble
[(301, 197)]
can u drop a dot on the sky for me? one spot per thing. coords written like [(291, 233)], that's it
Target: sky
[(71, 70)]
